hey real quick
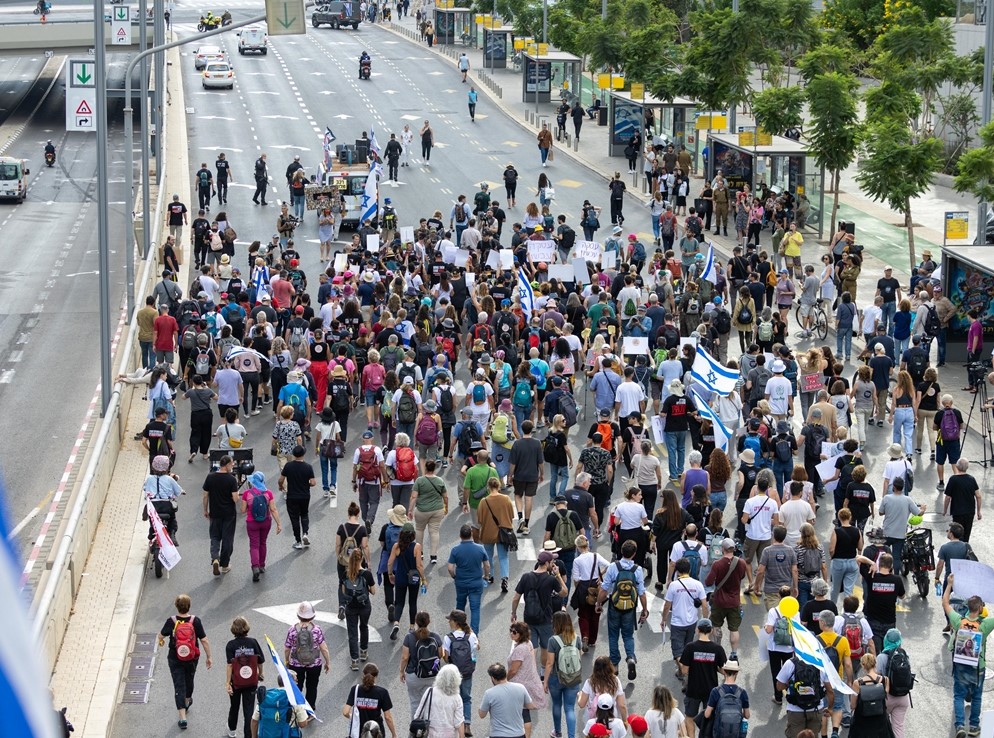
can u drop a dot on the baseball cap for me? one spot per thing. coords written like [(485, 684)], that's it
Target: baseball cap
[(367, 434), (599, 730), (705, 625), (605, 702), (409, 380), (638, 724), (544, 557)]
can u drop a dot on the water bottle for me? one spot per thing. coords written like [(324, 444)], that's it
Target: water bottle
[(938, 589), (424, 588), (743, 728)]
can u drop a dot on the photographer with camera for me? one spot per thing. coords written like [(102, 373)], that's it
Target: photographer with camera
[(286, 223), (974, 350)]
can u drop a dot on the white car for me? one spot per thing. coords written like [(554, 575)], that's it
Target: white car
[(252, 38), (219, 74), (206, 54)]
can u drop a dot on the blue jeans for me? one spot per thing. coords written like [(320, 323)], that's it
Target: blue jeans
[(904, 423), (718, 500), (501, 556), (967, 680), (781, 471), (521, 414), (803, 592), (459, 230), (901, 345), (473, 594), (676, 445), (329, 468), (544, 153), (621, 623), (888, 310), (466, 693), (407, 428), (655, 232), (940, 340), (897, 549), (558, 480), (563, 700), (844, 574), (843, 340), (298, 206), (148, 354)]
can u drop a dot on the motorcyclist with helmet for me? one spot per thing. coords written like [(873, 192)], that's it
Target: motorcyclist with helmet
[(50, 153), (365, 61), (162, 488)]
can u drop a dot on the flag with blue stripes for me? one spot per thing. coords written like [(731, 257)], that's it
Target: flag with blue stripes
[(811, 650), (369, 197), (374, 145), (711, 373), (721, 433), (526, 293), (329, 138), (710, 273), (24, 699), (289, 681), (260, 281)]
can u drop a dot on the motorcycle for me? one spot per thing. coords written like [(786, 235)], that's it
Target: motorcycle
[(365, 69), (50, 158), (918, 558), (43, 8), (214, 22)]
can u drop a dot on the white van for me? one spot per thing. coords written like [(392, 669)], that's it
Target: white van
[(13, 179), (252, 38)]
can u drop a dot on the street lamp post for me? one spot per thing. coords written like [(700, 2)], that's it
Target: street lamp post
[(103, 214), (985, 107)]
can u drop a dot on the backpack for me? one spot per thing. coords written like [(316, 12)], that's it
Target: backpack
[(348, 546), (461, 655), (744, 315), (568, 664), (427, 431), (499, 430), (693, 555), (932, 323), (666, 225), (260, 506), (185, 640), (297, 280), (275, 714), (899, 674), (189, 340), (447, 346), (549, 445), (722, 321), (591, 220), (388, 358), (427, 661), (534, 340), (873, 698), (607, 436), (245, 671), (202, 362), (386, 407), (407, 470), (781, 632), (949, 426), (814, 435), (852, 629), (631, 308), (638, 253), (783, 449), (772, 278), (568, 409), (407, 408), (537, 374), (522, 393), (306, 652), (467, 437), (833, 653), (765, 329), (340, 401), (564, 534), (534, 613), (728, 714), (624, 596), (356, 591), (461, 212), (755, 444), (369, 467), (805, 689), (407, 370), (445, 401), (205, 178)]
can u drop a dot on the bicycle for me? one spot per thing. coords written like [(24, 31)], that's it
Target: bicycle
[(819, 326)]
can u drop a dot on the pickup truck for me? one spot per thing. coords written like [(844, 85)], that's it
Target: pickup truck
[(337, 14)]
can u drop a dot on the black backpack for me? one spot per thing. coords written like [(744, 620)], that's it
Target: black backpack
[(805, 690), (722, 322), (467, 437), (783, 449), (534, 613), (899, 674), (340, 401), (932, 323)]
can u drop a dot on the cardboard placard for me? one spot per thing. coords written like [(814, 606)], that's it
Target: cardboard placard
[(657, 429), (470, 279), (341, 262), (563, 272), (506, 259), (609, 259), (587, 250), (373, 243), (541, 250), (407, 234), (461, 256), (493, 260), (634, 345), (580, 273)]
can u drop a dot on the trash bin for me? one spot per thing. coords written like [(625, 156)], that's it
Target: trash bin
[(602, 116)]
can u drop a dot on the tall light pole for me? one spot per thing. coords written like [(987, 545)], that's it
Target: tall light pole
[(985, 107), (103, 215), (734, 105), (545, 21)]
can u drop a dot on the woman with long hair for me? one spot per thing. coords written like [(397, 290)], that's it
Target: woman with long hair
[(927, 395), (628, 518), (668, 525), (495, 511), (902, 413), (812, 563), (368, 692), (460, 648), (563, 697), (603, 679), (387, 429), (357, 588), (446, 705), (559, 456), (521, 668), (664, 718), (811, 369), (407, 573), (719, 471), (417, 674), (532, 218), (647, 473)]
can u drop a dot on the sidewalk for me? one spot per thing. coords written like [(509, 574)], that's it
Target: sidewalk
[(88, 673)]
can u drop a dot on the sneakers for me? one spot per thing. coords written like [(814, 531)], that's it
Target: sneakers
[(355, 667), (631, 669), (503, 585), (363, 655), (433, 560), (974, 730), (333, 490), (256, 411), (918, 451), (225, 569), (298, 546), (232, 734), (524, 530), (255, 573), (941, 486), (846, 721), (467, 731), (306, 540), (585, 646), (216, 565), (521, 525), (960, 731), (394, 631), (391, 611)]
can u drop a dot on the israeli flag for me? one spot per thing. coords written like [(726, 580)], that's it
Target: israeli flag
[(710, 273), (27, 710), (369, 201), (261, 282), (713, 375), (721, 432), (374, 146), (526, 293), (811, 650), (289, 681)]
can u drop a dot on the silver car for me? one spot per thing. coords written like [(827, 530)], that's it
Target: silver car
[(219, 74)]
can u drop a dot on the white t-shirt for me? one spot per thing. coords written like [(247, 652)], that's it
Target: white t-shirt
[(680, 594), (630, 514), (893, 470), (794, 514), (871, 315), (787, 673), (629, 394), (327, 431), (228, 431), (583, 566), (618, 729), (840, 625), (659, 728), (397, 395), (760, 510), (771, 620), (591, 708), (779, 392), (680, 547)]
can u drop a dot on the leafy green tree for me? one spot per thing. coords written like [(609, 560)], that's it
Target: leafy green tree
[(834, 132), (976, 168), (778, 108), (828, 57), (859, 21)]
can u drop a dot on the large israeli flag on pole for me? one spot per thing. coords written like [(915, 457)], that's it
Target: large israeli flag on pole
[(810, 649), (374, 145), (710, 273), (721, 433), (369, 204), (712, 374), (289, 682), (527, 294), (24, 699)]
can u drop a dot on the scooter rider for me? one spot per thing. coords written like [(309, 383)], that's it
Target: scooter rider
[(364, 60), (161, 486), (50, 148)]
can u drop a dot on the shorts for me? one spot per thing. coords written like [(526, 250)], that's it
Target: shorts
[(541, 635), (947, 451), (805, 310), (691, 706), (795, 260), (541, 393), (732, 614), (525, 489), (656, 390), (753, 549), (370, 396)]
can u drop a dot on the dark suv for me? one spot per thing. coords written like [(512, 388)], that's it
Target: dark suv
[(337, 14)]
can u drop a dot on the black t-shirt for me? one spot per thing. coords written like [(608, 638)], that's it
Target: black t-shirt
[(811, 610), (580, 501), (930, 392), (298, 475), (888, 288), (169, 627), (702, 659), (176, 212), (677, 410), (546, 584), (222, 166), (371, 703), (356, 530), (243, 646), (846, 542), (880, 600), (220, 488), (159, 435), (201, 230), (553, 518), (961, 490), (860, 496)]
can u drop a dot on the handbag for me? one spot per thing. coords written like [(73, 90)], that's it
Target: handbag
[(274, 448), (233, 442), (505, 536), (229, 233), (332, 448), (419, 725), (549, 193)]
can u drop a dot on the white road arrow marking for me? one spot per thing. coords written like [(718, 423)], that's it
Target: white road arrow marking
[(287, 614), (262, 92), (222, 148), (289, 146), (317, 74), (326, 92), (389, 92), (214, 117), (342, 116), (281, 117), (435, 74)]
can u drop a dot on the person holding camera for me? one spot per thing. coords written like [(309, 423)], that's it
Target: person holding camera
[(286, 223)]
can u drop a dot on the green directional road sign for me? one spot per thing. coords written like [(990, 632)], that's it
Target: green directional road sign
[(81, 107), (285, 17), (81, 73), (121, 14)]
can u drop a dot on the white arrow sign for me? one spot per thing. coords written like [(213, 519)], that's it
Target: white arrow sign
[(280, 117), (288, 146), (287, 614), (342, 116)]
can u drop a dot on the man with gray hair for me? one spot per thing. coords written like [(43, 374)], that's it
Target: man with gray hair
[(837, 648), (726, 577), (962, 497), (580, 501), (948, 425)]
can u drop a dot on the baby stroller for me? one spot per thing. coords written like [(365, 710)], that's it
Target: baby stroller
[(918, 558)]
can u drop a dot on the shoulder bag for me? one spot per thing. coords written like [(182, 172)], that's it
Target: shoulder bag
[(505, 536), (419, 725)]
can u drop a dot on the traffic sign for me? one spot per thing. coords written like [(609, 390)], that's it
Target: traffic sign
[(120, 25), (286, 17), (81, 95)]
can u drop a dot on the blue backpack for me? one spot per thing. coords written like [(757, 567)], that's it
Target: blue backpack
[(638, 253), (536, 371), (693, 555), (276, 715), (260, 505), (479, 394), (523, 393), (391, 535), (755, 444)]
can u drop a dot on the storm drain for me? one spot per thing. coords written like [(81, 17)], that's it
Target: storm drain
[(141, 662), (135, 693)]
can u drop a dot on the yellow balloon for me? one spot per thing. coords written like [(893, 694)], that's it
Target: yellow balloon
[(789, 607)]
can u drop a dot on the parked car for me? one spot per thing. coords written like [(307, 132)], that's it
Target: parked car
[(219, 74), (252, 39), (337, 14), (207, 54)]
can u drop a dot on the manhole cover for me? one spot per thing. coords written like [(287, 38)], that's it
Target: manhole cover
[(140, 667), (144, 643), (135, 693)]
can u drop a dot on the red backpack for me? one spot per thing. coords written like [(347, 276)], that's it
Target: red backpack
[(369, 468), (447, 347), (407, 470), (245, 671), (607, 436), (375, 377), (185, 639), (427, 431)]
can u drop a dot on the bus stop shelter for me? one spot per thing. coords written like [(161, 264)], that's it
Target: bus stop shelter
[(452, 24), (541, 69), (495, 45), (673, 120), (967, 276), (780, 162)]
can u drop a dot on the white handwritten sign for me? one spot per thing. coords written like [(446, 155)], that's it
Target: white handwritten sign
[(588, 250), (506, 259), (541, 250), (407, 234)]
